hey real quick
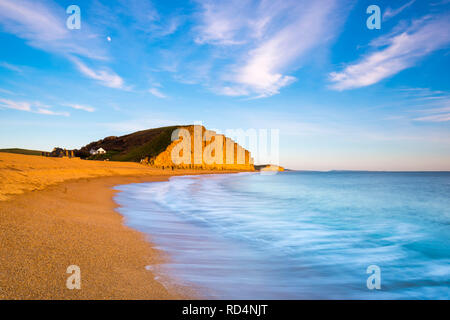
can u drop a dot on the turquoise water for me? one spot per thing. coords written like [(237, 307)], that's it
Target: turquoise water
[(299, 235)]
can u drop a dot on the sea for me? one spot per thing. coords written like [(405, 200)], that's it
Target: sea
[(298, 234)]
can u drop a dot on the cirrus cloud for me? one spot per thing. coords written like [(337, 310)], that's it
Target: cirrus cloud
[(157, 93), (105, 77), (399, 52), (34, 107), (80, 107), (269, 39)]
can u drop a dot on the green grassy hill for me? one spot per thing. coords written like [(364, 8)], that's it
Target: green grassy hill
[(131, 147), (22, 151)]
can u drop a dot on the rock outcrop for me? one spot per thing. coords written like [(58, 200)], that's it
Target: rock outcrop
[(269, 167)]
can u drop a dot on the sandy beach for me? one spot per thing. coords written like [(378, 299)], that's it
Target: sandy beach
[(60, 212)]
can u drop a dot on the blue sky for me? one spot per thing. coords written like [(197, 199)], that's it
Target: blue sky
[(343, 96)]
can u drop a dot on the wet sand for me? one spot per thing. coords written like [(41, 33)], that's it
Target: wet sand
[(69, 219)]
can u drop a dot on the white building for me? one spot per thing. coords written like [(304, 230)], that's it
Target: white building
[(98, 151)]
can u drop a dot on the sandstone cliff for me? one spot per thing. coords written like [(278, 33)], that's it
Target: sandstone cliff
[(205, 150)]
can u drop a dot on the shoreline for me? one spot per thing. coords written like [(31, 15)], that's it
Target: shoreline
[(47, 228)]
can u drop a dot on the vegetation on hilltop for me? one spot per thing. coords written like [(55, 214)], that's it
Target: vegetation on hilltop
[(131, 147), (22, 151)]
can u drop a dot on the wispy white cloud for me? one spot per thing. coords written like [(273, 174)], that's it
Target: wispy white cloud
[(142, 18), (400, 51), (51, 113), (171, 27), (444, 117), (42, 25), (106, 77), (32, 20), (157, 93), (7, 91), (11, 67), (389, 12), (228, 23), (268, 38), (440, 3), (263, 69), (81, 107), (17, 105), (233, 91), (432, 105), (142, 11), (34, 107), (420, 104), (446, 108)]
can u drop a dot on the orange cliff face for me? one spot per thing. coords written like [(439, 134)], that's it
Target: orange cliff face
[(198, 148)]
